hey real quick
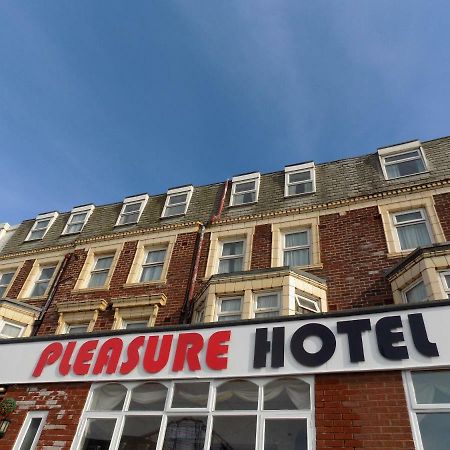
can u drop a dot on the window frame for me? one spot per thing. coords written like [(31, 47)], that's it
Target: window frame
[(37, 280), (256, 310), (410, 287), (15, 324), (143, 264), (98, 256), (87, 209), (51, 217), (241, 179), (227, 257), (298, 247), (299, 168), (188, 190), (445, 285), (141, 199), (7, 286), (209, 411), (70, 326), (25, 426), (425, 219), (218, 313), (301, 295)]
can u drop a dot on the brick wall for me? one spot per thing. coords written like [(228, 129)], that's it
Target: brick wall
[(362, 410), (262, 247), (64, 402), (442, 205), (20, 279)]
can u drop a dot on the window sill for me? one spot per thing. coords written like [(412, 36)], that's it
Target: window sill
[(402, 254), (299, 195), (95, 289), (242, 205), (145, 283), (402, 177), (175, 216), (26, 299)]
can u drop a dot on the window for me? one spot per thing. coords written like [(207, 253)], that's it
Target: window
[(177, 201), (304, 304), (267, 305), (41, 225), (412, 229), (402, 160), (297, 249), (134, 325), (5, 279), (42, 282), (153, 265), (132, 209), (77, 329), (31, 431), (416, 293), (245, 189), (100, 271), (232, 257), (229, 309), (10, 329), (78, 219), (263, 413), (299, 179), (429, 393), (445, 277)]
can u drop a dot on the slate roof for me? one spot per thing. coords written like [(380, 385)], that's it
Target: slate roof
[(337, 180)]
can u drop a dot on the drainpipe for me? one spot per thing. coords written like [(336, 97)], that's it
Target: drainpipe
[(186, 309), (38, 322)]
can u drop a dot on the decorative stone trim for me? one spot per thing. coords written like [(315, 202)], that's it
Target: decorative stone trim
[(79, 312)]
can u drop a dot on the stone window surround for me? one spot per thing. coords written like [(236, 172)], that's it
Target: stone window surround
[(19, 313), (284, 281), (8, 268), (144, 307), (78, 313), (34, 274), (245, 233), (387, 210), (143, 246), (292, 225), (428, 267), (92, 253)]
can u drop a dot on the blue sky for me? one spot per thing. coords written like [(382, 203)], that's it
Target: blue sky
[(104, 99)]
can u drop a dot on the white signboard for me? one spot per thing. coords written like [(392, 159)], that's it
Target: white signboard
[(392, 339)]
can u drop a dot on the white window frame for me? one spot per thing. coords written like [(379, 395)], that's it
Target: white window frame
[(4, 322), (88, 209), (412, 286), (162, 264), (256, 310), (7, 286), (221, 257), (254, 176), (209, 411), (130, 322), (46, 280), (188, 190), (51, 217), (298, 247), (219, 313), (26, 424), (415, 408), (142, 199), (70, 326), (396, 225), (94, 270), (299, 296), (400, 149), (445, 285), (299, 168)]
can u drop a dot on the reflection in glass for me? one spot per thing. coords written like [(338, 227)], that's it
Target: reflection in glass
[(185, 433), (190, 395), (30, 435), (237, 394), (435, 430), (98, 434), (148, 397), (109, 397), (233, 433), (286, 393), (432, 387), (140, 433), (285, 434)]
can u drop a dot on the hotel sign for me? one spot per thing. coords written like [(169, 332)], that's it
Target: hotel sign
[(391, 339)]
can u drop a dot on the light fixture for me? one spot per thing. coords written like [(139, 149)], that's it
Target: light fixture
[(4, 424)]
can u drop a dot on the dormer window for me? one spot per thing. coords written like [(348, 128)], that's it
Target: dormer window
[(41, 226), (402, 160), (132, 209), (78, 219), (245, 189), (299, 179), (177, 201)]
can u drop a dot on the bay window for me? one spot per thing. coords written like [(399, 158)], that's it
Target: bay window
[(267, 304), (229, 309)]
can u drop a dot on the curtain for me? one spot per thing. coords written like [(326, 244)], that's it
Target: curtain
[(412, 236), (417, 294), (296, 257)]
